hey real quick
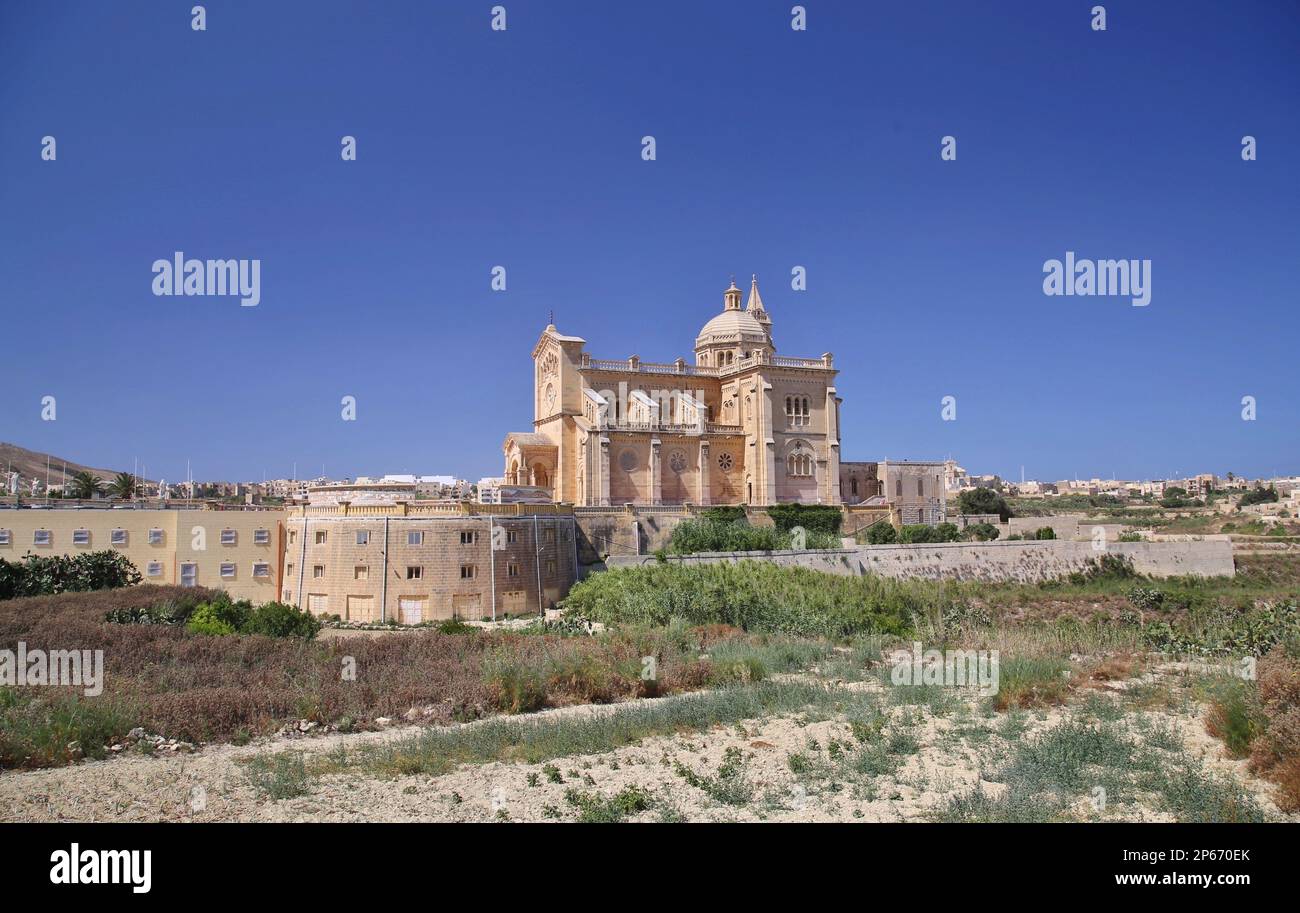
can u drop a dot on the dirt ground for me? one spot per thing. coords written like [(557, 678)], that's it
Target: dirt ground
[(775, 752)]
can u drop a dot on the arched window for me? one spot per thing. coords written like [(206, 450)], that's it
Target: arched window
[(898, 488), (853, 484), (920, 488)]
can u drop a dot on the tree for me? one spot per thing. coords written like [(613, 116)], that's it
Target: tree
[(123, 486), (983, 501), (86, 485)]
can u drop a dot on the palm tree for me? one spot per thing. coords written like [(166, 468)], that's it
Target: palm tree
[(123, 486), (85, 485)]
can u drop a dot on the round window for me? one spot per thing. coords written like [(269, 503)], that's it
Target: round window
[(627, 460), (725, 461), (677, 461)]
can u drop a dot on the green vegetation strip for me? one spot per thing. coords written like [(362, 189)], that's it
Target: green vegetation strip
[(542, 738)]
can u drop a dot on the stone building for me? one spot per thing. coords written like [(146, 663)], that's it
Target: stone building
[(738, 423)]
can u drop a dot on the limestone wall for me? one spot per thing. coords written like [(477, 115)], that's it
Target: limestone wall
[(993, 561)]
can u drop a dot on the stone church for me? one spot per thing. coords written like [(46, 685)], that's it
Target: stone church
[(737, 424)]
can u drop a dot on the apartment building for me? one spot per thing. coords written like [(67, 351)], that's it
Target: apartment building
[(415, 562), (237, 551)]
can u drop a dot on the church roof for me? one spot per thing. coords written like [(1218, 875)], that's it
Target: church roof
[(731, 325)]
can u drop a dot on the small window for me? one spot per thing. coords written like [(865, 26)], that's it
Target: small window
[(41, 537), (293, 536), (567, 533), (117, 537), (361, 572), (363, 537), (512, 535), (414, 537), (318, 571), (189, 575), (153, 569), (414, 572), (81, 537), (468, 537), (550, 566), (549, 535), (261, 569), (920, 487), (512, 569), (261, 537), (320, 537), (229, 537), (227, 569), (287, 595), (155, 536), (468, 572), (6, 537), (288, 569)]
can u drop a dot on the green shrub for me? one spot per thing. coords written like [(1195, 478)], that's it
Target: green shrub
[(815, 518), (982, 532), (984, 501), (278, 619), (1045, 532), (207, 619), (757, 596), (45, 575), (881, 532)]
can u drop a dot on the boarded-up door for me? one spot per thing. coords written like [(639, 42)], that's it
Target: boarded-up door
[(412, 611)]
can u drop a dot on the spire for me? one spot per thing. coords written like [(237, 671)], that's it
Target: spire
[(755, 301)]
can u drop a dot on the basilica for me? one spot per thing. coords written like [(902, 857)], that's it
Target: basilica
[(737, 424)]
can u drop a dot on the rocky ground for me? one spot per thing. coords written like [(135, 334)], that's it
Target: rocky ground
[(805, 766)]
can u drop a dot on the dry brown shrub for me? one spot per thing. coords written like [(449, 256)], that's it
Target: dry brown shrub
[(1276, 753)]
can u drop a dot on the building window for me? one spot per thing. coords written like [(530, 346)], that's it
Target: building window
[(361, 572), (550, 566), (468, 537), (363, 537), (41, 537), (898, 488), (81, 537), (153, 569), (293, 536), (468, 572), (5, 537), (155, 536), (796, 410), (799, 464), (288, 569), (320, 536), (511, 536), (317, 571), (920, 488), (414, 537), (414, 572), (548, 535), (287, 595), (189, 574), (117, 537), (512, 569), (261, 569), (229, 537), (261, 537), (227, 569)]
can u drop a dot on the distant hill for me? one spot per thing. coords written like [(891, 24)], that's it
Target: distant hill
[(31, 465)]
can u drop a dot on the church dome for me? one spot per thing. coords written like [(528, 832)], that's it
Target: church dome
[(732, 326)]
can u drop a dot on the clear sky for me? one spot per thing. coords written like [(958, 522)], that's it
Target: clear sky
[(775, 149)]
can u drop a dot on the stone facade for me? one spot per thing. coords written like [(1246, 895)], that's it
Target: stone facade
[(386, 566), (740, 424)]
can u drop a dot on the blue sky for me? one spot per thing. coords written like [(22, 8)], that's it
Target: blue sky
[(775, 148)]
